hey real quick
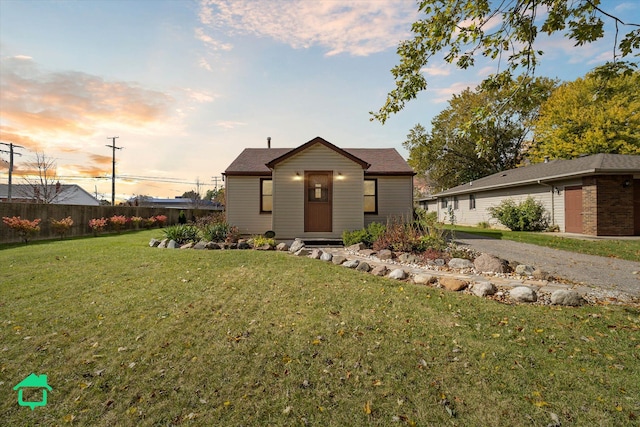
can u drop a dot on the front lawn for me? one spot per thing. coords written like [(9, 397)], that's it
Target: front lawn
[(611, 247), (132, 335)]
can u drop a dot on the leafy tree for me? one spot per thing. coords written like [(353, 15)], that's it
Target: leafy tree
[(465, 144), (464, 29), (595, 114)]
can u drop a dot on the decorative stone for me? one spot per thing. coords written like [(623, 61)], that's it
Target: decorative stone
[(363, 266), (338, 259), (163, 243), (212, 246), (282, 247), (566, 297), (385, 254), (423, 279), (452, 284), (172, 244), (398, 274), (154, 243), (368, 252), (540, 275), (351, 263), (460, 263), (187, 246), (484, 289), (380, 270), (357, 247), (244, 245), (407, 258), (302, 252), (523, 294), (525, 270), (315, 254), (265, 247), (296, 246), (487, 263), (200, 245), (439, 262), (326, 256)]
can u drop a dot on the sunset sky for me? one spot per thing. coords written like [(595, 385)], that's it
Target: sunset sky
[(186, 85)]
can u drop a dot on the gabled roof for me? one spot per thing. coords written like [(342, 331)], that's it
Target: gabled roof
[(375, 161), (69, 194), (314, 141), (596, 164)]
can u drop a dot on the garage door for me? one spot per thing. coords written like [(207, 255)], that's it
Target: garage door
[(573, 209)]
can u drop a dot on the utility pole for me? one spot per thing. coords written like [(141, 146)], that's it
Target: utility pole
[(215, 181), (113, 170), (11, 147)]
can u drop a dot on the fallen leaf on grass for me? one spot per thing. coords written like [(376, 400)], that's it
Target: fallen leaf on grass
[(367, 408)]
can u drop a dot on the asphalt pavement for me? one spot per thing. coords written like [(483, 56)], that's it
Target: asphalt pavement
[(588, 270)]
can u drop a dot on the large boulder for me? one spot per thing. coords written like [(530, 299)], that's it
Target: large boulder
[(423, 279), (357, 247), (172, 244), (407, 258), (296, 246), (302, 252), (460, 263), (380, 270), (163, 243), (453, 284), (483, 289), (282, 246), (525, 270), (351, 263), (200, 245), (326, 256), (363, 266), (566, 297), (385, 254), (315, 253), (487, 263), (523, 294), (153, 243), (338, 259), (398, 274), (213, 246)]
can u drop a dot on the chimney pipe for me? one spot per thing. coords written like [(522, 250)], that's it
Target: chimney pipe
[(268, 142)]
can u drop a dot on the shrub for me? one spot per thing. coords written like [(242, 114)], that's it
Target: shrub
[(97, 225), (182, 233), (399, 235), (262, 240), (23, 227), (136, 221), (150, 222), (182, 218), (118, 222), (216, 232), (161, 220), (367, 236), (525, 216), (61, 226), (484, 224)]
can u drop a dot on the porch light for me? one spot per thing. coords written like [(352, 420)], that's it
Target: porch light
[(340, 176), (297, 177)]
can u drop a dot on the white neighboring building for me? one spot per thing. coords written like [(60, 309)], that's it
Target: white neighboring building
[(63, 194)]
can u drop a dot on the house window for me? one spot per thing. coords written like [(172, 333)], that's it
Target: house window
[(455, 202), (444, 202), (371, 196), (472, 201), (266, 195)]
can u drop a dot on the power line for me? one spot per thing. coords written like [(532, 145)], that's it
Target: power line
[(11, 146)]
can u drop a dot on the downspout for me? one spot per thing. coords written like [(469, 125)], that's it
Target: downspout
[(553, 207)]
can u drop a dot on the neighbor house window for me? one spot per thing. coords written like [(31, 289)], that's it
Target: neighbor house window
[(443, 203), (371, 196), (472, 201), (455, 202), (266, 195)]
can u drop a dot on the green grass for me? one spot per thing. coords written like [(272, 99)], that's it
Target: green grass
[(131, 335), (615, 248)]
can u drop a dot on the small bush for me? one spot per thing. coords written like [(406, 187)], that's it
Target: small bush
[(525, 216), (61, 226), (97, 225), (216, 232), (367, 236), (23, 227), (161, 220), (182, 233), (118, 222), (262, 240), (399, 236), (484, 224)]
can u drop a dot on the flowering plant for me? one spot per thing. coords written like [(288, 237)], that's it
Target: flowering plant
[(118, 221), (149, 222), (161, 220), (97, 225), (23, 227), (136, 220), (61, 226)]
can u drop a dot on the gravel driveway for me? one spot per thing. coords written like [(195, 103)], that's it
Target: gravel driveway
[(590, 270)]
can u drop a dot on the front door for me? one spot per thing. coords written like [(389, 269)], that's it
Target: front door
[(573, 210), (318, 201)]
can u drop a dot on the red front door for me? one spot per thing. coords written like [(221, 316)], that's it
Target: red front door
[(318, 201)]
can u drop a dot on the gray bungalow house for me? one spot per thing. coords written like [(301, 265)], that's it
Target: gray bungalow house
[(317, 190), (596, 195)]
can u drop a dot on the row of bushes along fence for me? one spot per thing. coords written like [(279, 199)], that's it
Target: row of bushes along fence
[(81, 215)]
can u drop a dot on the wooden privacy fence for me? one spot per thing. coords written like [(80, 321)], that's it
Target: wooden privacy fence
[(81, 215)]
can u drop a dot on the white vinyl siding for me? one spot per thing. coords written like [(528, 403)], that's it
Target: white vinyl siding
[(243, 205), (288, 193), (395, 198)]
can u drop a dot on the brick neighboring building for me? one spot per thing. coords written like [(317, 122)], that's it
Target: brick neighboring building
[(596, 195)]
